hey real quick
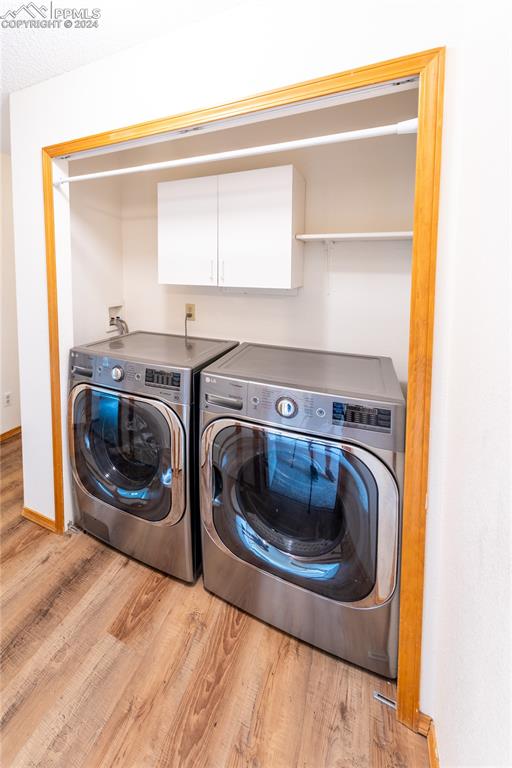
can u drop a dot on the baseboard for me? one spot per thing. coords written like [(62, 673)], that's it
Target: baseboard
[(427, 728), (424, 723), (10, 433), (433, 754), (35, 517)]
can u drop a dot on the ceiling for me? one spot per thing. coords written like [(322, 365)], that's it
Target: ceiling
[(29, 56)]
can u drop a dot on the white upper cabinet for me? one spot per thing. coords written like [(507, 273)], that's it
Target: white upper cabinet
[(259, 214), (251, 243), (187, 231)]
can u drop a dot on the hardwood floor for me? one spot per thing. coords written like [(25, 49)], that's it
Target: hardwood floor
[(108, 663)]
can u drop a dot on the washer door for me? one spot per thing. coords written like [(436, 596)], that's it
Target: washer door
[(306, 509), (128, 451)]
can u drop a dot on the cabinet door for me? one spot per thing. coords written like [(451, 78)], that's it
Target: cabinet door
[(187, 231), (257, 248)]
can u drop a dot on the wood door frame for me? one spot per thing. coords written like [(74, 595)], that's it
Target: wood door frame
[(429, 67)]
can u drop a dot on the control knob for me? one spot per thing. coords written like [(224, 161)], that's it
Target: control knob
[(286, 407), (117, 373)]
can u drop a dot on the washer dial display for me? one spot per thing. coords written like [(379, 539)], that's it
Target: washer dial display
[(117, 373), (286, 407)]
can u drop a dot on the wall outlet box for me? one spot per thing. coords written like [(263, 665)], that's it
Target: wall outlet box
[(7, 399), (190, 311), (114, 310)]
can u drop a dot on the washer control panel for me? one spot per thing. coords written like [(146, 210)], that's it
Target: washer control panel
[(163, 382), (378, 424), (376, 419), (162, 378)]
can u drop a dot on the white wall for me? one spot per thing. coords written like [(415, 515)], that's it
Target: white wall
[(9, 376), (467, 642), (97, 258), (262, 45)]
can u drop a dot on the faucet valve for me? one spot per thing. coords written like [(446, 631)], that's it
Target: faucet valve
[(120, 324)]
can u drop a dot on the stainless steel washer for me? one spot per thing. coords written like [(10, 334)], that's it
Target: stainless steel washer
[(133, 449), (302, 457)]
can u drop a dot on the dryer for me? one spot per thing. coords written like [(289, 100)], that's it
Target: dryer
[(132, 437), (302, 456)]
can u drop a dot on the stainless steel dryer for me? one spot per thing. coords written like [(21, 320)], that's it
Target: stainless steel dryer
[(302, 458), (132, 427)]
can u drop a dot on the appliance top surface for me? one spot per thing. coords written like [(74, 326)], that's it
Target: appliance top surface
[(361, 376), (162, 348)]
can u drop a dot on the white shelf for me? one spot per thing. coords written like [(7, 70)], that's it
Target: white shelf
[(332, 237)]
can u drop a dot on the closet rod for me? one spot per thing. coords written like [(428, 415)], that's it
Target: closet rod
[(405, 126)]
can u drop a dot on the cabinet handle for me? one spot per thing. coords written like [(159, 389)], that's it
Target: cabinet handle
[(222, 271), (211, 270)]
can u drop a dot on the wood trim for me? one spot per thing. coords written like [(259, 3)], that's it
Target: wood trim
[(10, 433), (433, 753), (404, 66), (429, 65), (424, 723), (35, 517), (427, 728), (421, 329), (53, 334)]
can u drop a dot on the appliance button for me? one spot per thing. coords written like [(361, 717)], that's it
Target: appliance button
[(320, 412), (138, 377), (286, 407), (117, 373), (255, 400)]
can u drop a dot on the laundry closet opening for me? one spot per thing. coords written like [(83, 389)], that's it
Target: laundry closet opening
[(399, 167), (353, 293)]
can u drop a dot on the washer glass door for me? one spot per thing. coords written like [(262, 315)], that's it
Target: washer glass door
[(302, 508), (123, 452)]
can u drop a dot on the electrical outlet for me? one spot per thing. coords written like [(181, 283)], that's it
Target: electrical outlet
[(190, 311), (7, 399)]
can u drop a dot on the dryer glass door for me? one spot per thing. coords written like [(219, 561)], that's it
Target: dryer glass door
[(124, 452), (302, 508)]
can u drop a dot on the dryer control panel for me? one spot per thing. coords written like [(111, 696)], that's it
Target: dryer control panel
[(375, 423)]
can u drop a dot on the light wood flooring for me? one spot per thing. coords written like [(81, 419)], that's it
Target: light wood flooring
[(108, 663)]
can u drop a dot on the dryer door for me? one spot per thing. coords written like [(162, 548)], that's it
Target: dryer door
[(128, 452), (312, 511)]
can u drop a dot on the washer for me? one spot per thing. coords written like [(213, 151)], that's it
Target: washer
[(302, 456), (132, 426)]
